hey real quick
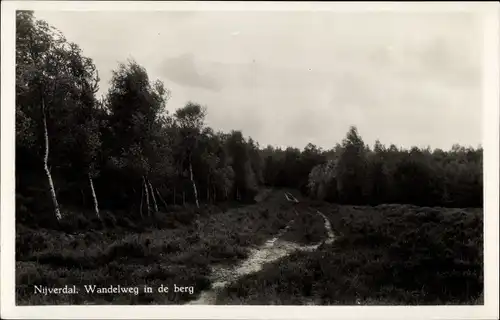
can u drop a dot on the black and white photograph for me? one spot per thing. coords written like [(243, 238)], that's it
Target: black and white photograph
[(261, 154)]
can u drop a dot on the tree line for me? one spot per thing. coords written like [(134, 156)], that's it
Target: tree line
[(126, 151)]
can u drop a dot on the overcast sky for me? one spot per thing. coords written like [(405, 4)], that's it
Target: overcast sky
[(289, 78)]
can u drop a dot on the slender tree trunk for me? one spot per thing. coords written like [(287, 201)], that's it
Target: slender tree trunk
[(194, 185), (147, 195), (161, 198), (83, 198), (183, 197), (175, 195), (142, 199), (153, 196), (46, 165), (214, 192), (94, 197), (208, 188)]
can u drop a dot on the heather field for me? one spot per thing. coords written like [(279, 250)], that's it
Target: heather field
[(388, 254)]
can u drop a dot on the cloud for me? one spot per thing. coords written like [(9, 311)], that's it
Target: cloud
[(293, 78), (183, 71)]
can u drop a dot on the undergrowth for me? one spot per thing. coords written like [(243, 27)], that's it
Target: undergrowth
[(389, 254), (175, 247)]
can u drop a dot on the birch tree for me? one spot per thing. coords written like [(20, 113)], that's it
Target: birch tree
[(190, 120), (245, 182), (136, 105), (52, 76)]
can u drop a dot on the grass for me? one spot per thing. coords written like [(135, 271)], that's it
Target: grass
[(175, 247), (307, 228), (389, 254)]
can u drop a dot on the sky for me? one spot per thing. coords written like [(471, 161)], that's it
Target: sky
[(290, 78)]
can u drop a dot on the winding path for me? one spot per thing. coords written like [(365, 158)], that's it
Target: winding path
[(270, 251)]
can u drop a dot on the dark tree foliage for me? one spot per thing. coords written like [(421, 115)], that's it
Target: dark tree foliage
[(141, 157), (391, 175)]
